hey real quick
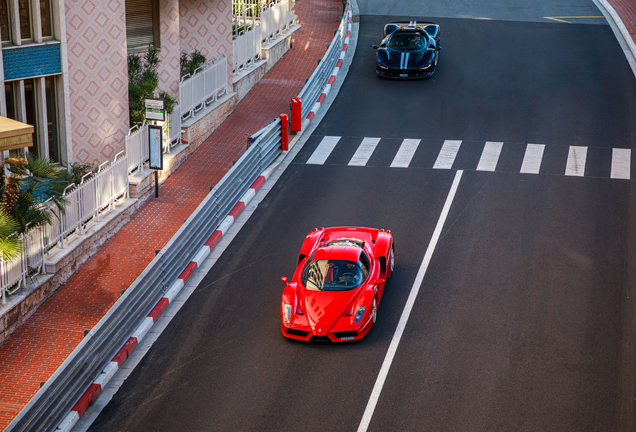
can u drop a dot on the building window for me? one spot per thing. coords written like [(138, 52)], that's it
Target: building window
[(25, 19), (47, 18), (5, 28), (142, 24), (51, 113), (31, 114), (9, 97)]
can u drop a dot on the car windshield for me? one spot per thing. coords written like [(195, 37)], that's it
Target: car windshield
[(333, 275), (407, 41)]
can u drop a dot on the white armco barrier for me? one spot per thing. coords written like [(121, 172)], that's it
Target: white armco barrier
[(247, 47)]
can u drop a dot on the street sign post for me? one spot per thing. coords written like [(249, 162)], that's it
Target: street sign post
[(155, 109), (155, 143)]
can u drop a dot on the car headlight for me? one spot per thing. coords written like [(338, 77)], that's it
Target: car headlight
[(287, 312), (380, 64), (426, 66), (360, 314)]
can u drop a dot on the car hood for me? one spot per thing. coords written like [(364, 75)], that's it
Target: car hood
[(324, 308), (405, 59)]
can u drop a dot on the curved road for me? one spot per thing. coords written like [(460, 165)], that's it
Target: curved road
[(524, 319)]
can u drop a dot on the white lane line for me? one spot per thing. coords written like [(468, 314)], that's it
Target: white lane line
[(576, 161), (447, 155), (323, 150), (532, 160), (405, 153), (490, 156), (364, 152), (621, 163), (388, 359)]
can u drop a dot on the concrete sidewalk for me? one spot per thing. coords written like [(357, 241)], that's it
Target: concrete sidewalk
[(42, 343)]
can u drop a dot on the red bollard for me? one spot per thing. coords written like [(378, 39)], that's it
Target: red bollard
[(296, 114), (284, 133)]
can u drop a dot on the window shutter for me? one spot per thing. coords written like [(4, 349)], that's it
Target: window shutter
[(139, 24)]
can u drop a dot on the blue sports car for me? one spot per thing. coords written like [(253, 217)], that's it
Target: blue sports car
[(409, 50)]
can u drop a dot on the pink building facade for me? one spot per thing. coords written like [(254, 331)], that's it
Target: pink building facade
[(77, 97)]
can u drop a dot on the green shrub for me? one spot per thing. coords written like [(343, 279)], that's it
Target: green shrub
[(77, 170), (190, 63), (143, 80)]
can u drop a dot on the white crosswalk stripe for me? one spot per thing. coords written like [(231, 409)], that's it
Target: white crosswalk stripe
[(364, 152), (490, 156), (495, 156), (447, 154), (532, 159), (621, 163), (323, 150), (405, 153), (575, 165)]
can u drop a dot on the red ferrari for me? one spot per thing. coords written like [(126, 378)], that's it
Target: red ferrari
[(336, 290)]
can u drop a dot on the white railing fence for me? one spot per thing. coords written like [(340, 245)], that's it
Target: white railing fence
[(256, 21), (244, 15), (85, 203), (276, 17), (247, 47), (174, 128), (137, 147), (202, 88)]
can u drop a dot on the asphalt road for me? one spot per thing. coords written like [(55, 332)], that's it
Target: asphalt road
[(525, 318)]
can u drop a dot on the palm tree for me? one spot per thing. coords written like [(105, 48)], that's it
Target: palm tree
[(10, 244), (32, 182)]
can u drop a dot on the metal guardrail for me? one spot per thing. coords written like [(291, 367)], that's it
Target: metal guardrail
[(60, 393), (318, 80)]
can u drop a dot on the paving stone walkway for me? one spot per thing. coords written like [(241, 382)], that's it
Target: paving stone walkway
[(626, 9), (38, 347)]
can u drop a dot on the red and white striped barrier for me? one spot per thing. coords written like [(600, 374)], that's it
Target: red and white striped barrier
[(94, 390), (332, 78)]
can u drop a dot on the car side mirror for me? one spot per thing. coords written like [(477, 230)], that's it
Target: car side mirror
[(284, 279), (375, 47), (438, 48)]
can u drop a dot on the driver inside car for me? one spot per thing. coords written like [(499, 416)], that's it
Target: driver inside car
[(349, 273)]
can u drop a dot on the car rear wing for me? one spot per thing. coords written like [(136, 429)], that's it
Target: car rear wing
[(430, 28)]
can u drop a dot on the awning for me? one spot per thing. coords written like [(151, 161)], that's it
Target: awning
[(14, 134)]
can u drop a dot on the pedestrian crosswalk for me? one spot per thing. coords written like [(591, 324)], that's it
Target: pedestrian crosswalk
[(525, 158)]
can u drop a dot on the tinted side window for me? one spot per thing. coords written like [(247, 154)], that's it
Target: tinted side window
[(364, 264)]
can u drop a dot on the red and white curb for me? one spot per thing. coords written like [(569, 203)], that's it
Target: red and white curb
[(94, 390), (332, 78)]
